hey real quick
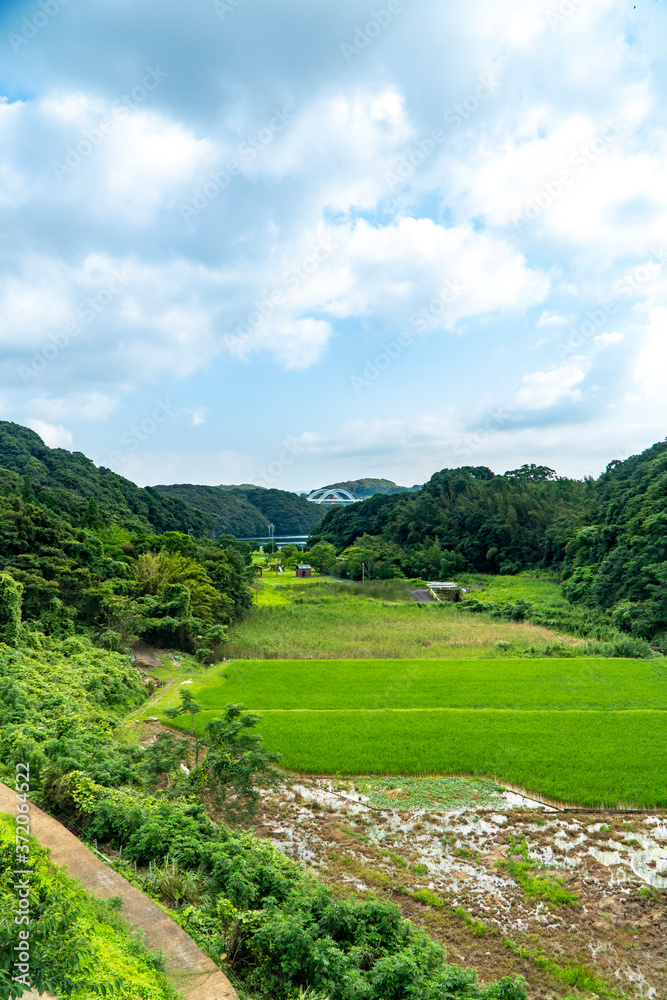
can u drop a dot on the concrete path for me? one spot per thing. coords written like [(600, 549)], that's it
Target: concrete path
[(191, 971), (146, 656), (422, 594)]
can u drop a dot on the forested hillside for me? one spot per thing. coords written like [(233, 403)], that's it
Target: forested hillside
[(468, 518), (231, 512), (360, 488), (85, 553), (246, 511), (618, 559), (65, 481), (290, 513), (606, 538)]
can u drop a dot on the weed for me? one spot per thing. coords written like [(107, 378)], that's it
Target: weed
[(478, 927), (578, 976), (463, 852), (546, 888)]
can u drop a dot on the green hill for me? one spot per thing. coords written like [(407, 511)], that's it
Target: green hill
[(65, 481), (369, 487), (246, 511), (232, 513), (290, 513)]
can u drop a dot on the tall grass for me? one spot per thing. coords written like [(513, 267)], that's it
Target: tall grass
[(332, 622)]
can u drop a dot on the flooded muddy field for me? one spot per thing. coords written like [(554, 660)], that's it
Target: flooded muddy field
[(574, 901)]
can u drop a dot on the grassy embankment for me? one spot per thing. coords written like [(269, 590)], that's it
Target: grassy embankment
[(430, 691), (80, 943)]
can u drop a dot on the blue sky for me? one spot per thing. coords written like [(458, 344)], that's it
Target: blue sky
[(291, 243)]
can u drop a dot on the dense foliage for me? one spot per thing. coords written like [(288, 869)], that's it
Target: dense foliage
[(247, 510), (466, 518), (618, 559), (605, 537), (65, 482), (79, 946), (280, 929), (111, 581), (290, 513), (230, 511)]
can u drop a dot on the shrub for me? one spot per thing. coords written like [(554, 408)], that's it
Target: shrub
[(10, 609)]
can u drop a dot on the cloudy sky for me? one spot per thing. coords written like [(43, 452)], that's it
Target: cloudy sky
[(293, 242)]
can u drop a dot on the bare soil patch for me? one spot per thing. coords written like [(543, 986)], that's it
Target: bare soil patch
[(612, 938)]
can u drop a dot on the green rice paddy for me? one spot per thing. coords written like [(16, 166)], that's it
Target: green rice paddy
[(508, 683), (578, 730)]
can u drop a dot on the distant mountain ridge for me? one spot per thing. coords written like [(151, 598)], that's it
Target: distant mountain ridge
[(231, 512), (246, 511), (362, 488)]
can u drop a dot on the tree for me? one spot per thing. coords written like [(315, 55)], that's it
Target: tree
[(92, 518), (163, 756), (189, 706), (323, 557), (10, 609), (236, 761)]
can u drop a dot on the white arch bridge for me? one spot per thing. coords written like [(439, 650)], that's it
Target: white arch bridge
[(332, 498)]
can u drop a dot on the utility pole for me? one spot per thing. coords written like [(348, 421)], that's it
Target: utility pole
[(272, 528)]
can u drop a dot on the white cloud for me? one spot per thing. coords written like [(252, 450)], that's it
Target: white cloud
[(197, 416), (299, 344), (604, 340), (548, 318), (53, 435), (650, 367), (88, 406), (543, 389)]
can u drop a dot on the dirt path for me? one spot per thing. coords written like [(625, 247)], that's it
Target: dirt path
[(187, 966)]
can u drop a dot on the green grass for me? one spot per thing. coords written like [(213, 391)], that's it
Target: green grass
[(584, 730), (435, 794), (75, 935), (511, 683), (590, 758), (352, 679), (526, 587), (321, 619)]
